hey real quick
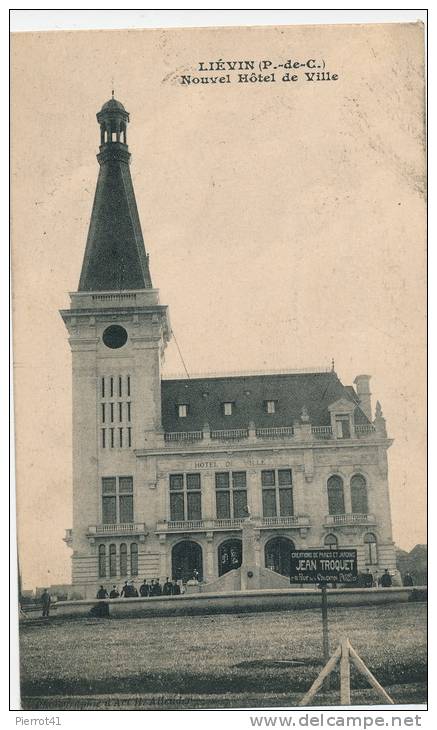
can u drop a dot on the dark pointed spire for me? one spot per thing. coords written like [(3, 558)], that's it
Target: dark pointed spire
[(115, 257)]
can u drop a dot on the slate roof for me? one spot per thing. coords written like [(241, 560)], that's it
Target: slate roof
[(205, 396)]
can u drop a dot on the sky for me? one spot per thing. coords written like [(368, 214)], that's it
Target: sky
[(285, 224)]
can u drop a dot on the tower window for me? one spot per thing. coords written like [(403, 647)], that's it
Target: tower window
[(103, 387), (120, 412), (119, 386), (128, 385)]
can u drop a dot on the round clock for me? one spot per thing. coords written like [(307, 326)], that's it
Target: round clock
[(115, 336)]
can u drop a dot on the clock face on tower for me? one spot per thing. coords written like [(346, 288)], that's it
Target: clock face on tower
[(115, 336)]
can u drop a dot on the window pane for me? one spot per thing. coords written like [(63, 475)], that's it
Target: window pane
[(269, 502), (102, 561), (193, 481), (268, 478), (108, 485), (177, 506), (109, 511), (126, 508), (194, 507), (123, 559), (359, 494), (284, 476), (240, 503), (176, 481), (112, 560), (285, 502), (239, 479), (335, 496), (134, 559), (223, 505), (222, 480), (125, 484)]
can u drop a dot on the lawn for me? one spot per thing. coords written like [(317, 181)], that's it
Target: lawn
[(232, 660)]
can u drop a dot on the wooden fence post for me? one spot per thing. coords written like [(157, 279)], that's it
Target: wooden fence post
[(345, 674)]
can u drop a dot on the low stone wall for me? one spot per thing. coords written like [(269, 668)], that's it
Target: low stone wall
[(284, 599)]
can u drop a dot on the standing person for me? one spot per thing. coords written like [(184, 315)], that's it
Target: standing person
[(102, 593), (144, 589), (167, 588), (175, 588), (157, 588), (46, 601), (386, 581), (368, 579), (408, 579), (134, 592), (125, 590), (114, 593)]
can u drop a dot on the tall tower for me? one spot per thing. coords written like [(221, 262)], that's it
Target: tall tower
[(117, 333)]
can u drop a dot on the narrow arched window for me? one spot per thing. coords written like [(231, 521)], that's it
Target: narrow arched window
[(335, 495), (112, 560), (331, 542), (359, 494), (102, 561), (123, 559), (371, 550), (134, 559)]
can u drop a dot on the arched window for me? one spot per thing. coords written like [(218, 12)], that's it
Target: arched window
[(123, 559), (112, 560), (186, 558), (134, 559), (335, 495), (229, 556), (277, 554), (359, 494), (371, 550), (102, 561), (331, 542)]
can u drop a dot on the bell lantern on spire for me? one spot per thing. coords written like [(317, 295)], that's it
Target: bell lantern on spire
[(113, 120)]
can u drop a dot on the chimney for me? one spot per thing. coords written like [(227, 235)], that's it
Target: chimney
[(363, 391)]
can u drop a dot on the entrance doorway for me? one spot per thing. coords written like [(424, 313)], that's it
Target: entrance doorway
[(229, 556), (278, 555), (186, 561)]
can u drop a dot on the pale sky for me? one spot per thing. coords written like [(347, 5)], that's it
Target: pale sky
[(285, 226)]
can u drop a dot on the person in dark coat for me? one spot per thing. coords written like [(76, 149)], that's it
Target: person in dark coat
[(386, 581), (156, 588), (133, 590), (408, 579), (46, 601), (125, 590), (102, 593), (114, 593), (175, 588), (368, 579), (144, 589), (167, 588)]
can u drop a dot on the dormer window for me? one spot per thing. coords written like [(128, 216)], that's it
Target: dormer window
[(270, 406), (342, 426), (228, 408), (183, 410)]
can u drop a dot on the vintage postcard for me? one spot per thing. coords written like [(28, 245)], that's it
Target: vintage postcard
[(219, 313)]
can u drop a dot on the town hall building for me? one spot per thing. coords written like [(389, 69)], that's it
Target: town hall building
[(166, 473)]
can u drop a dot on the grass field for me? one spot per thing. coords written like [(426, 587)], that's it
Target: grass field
[(237, 660)]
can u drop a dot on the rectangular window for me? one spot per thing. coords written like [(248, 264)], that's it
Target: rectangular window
[(126, 508), (128, 411), (342, 424), (222, 480), (239, 479), (112, 438), (285, 502), (227, 409), (270, 406), (111, 383), (103, 387), (129, 437), (103, 413), (269, 502), (194, 506), (193, 481), (182, 410), (268, 478), (112, 413), (103, 438), (120, 437), (119, 386), (109, 510), (117, 500), (177, 506), (284, 477), (240, 503), (120, 412), (128, 385), (223, 505), (176, 481)]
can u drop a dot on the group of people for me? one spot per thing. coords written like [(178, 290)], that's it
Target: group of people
[(384, 580), (146, 590)]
